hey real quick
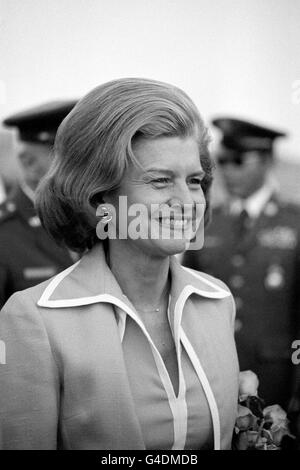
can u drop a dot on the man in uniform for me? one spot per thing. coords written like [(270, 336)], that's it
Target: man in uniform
[(252, 244), (27, 254)]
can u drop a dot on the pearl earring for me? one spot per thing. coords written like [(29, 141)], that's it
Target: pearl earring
[(104, 213)]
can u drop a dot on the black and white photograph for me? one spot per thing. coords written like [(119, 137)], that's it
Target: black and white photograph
[(149, 228)]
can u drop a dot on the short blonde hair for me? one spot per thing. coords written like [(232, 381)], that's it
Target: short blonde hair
[(93, 147)]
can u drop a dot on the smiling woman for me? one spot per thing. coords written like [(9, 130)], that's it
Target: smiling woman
[(126, 349), (97, 146), (167, 185)]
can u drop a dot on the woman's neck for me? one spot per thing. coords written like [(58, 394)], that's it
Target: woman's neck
[(144, 279)]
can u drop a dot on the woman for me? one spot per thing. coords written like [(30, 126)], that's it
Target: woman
[(126, 349)]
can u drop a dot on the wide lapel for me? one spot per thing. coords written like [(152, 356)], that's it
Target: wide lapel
[(88, 282), (186, 283)]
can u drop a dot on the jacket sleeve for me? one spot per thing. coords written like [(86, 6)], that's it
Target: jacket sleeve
[(29, 381)]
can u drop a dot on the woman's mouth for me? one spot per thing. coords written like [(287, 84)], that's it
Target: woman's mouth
[(175, 223)]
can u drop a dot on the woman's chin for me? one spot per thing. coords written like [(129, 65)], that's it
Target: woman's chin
[(171, 247)]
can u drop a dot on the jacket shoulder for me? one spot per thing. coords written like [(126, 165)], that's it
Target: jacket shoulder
[(227, 303), (290, 208), (288, 215), (285, 204), (27, 297), (211, 279)]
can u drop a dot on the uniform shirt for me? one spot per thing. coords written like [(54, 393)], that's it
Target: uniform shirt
[(167, 421), (255, 203)]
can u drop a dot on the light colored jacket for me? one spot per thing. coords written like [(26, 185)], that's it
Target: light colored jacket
[(64, 382)]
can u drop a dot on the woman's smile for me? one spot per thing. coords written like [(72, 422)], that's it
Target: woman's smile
[(167, 183), (180, 223), (174, 223)]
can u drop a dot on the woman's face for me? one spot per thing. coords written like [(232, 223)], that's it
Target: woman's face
[(165, 201)]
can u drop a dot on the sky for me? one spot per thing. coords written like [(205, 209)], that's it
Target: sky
[(233, 57)]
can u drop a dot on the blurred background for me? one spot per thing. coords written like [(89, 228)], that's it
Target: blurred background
[(233, 57)]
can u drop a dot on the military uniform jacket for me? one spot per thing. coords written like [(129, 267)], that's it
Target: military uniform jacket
[(262, 268), (27, 254)]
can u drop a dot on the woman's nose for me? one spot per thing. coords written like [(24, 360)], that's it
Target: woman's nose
[(181, 196)]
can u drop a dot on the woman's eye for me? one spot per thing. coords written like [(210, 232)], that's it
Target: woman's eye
[(161, 181), (195, 181)]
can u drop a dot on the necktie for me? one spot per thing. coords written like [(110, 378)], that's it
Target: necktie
[(243, 224)]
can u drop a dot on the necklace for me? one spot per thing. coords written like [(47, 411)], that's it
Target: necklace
[(164, 294), (161, 307), (149, 311)]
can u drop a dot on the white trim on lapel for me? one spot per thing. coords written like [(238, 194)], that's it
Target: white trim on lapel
[(45, 301), (180, 334), (219, 293), (207, 389)]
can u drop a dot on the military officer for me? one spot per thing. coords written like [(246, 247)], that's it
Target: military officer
[(252, 244), (27, 254)]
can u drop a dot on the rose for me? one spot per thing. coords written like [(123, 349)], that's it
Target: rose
[(258, 427), (278, 434), (247, 440), (277, 417), (245, 429), (245, 419), (275, 414), (248, 384)]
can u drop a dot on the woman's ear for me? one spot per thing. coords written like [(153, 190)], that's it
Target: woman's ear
[(104, 197), (108, 197), (96, 199)]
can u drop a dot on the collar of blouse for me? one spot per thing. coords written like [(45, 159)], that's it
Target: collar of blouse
[(90, 281)]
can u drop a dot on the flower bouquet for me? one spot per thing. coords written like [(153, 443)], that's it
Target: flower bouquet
[(258, 427)]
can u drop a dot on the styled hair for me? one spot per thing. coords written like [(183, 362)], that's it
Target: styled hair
[(93, 148)]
